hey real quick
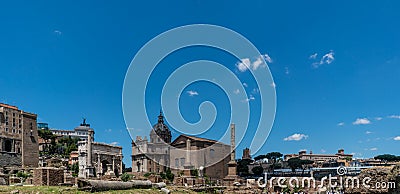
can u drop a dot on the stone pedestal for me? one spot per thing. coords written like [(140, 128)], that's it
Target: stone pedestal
[(110, 172), (90, 171)]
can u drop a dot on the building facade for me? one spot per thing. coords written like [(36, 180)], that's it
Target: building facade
[(98, 159), (80, 132), (185, 152), (153, 155), (18, 138), (320, 158)]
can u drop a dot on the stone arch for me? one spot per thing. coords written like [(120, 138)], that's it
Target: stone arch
[(7, 145), (104, 166)]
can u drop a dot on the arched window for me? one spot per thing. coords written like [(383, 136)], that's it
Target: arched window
[(7, 146), (212, 153)]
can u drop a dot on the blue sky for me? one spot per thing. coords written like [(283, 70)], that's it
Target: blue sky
[(65, 61)]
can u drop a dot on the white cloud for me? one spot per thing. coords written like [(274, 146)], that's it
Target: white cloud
[(251, 97), (378, 118), (328, 58), (313, 56), (362, 121), (246, 63), (397, 138), (296, 137), (245, 84), (323, 151), (114, 143), (256, 63), (373, 149), (267, 58), (237, 91), (192, 93), (368, 132), (243, 65), (340, 124), (394, 116), (58, 32)]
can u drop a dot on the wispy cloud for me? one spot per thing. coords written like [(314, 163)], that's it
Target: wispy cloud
[(57, 32), (378, 118), (362, 121), (108, 130), (328, 58), (251, 97), (340, 124), (296, 137), (373, 149), (313, 56), (246, 64), (192, 93), (323, 151), (368, 132), (287, 72), (394, 117), (397, 138), (114, 143)]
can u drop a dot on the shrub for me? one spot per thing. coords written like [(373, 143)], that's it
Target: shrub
[(126, 177)]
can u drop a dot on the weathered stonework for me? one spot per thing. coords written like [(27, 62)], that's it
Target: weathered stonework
[(18, 138), (48, 176)]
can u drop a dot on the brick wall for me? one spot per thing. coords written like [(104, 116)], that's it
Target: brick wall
[(30, 144), (47, 176)]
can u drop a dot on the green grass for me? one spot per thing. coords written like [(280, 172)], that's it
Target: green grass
[(56, 189)]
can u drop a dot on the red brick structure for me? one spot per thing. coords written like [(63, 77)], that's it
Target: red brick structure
[(48, 176)]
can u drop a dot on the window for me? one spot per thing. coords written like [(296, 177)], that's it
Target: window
[(176, 162), (182, 161)]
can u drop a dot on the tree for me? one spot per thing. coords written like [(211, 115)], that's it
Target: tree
[(194, 172), (305, 164), (259, 157), (46, 135), (75, 169), (169, 175), (258, 170), (242, 166), (294, 163), (273, 156), (387, 158)]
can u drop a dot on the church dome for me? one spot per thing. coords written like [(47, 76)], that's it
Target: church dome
[(162, 130)]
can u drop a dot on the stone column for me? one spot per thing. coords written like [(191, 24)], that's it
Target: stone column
[(89, 148), (188, 148), (231, 177), (187, 166), (89, 168), (120, 165), (233, 152), (113, 163), (98, 165)]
